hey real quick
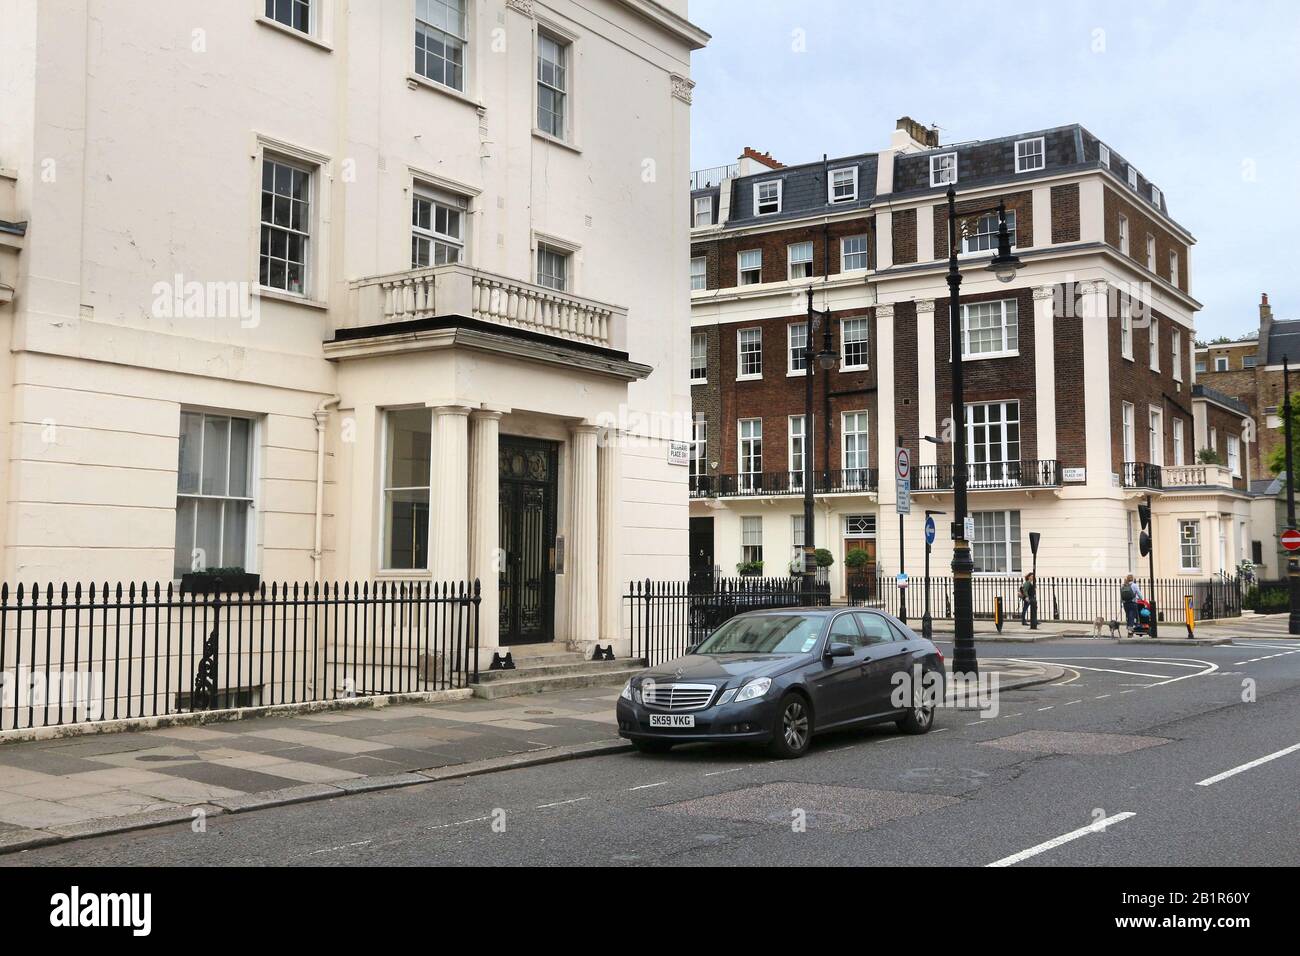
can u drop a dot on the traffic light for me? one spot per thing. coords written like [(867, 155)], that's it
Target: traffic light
[(1144, 539)]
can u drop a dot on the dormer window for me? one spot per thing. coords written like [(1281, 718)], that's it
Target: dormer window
[(1132, 179), (842, 185), (1155, 197), (1030, 155), (767, 197), (1104, 154), (943, 169), (703, 212)]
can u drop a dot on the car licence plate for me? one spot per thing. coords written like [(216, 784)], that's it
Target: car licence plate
[(672, 720)]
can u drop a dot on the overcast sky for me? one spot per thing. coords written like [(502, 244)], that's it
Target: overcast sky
[(1202, 96)]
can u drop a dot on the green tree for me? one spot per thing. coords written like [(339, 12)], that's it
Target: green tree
[(1277, 457)]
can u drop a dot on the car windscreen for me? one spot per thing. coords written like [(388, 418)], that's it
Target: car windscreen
[(764, 634)]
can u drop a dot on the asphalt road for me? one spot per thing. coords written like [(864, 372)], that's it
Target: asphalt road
[(1034, 785)]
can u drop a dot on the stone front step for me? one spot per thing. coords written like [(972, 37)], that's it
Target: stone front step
[(540, 679), (548, 667)]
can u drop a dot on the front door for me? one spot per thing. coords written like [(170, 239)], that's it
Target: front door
[(701, 544), (861, 584), (528, 476)]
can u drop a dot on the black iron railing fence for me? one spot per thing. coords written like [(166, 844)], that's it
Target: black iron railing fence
[(1067, 599), (1139, 474), (1036, 473), (665, 618), (102, 652), (761, 484)]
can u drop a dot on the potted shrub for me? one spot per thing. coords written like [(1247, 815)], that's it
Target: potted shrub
[(233, 580), (1208, 456), (749, 569), (857, 562), (824, 558)]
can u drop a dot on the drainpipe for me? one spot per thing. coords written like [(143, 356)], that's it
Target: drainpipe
[(322, 416)]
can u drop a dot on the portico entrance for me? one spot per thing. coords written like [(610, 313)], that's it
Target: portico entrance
[(529, 479)]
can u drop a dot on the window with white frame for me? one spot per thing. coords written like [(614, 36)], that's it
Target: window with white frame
[(552, 267), (749, 456), (552, 84), (943, 169), (295, 14), (800, 255), (1155, 197), (750, 266), (1247, 361), (1153, 343), (1189, 545), (437, 228), (1155, 435), (1127, 436), (1180, 456), (1214, 439), (796, 534), (842, 185), (1103, 152), (407, 460), (1133, 178), (286, 226), (990, 329), (1221, 363), (1200, 368), (1234, 456), (1173, 268), (853, 253), (440, 40), (860, 526), (214, 492), (751, 538), (1176, 350), (796, 438), (1151, 253), (996, 545), (767, 197), (699, 358), (699, 447), (855, 450), (1123, 234), (853, 343), (1126, 329), (797, 347), (703, 211), (699, 273), (993, 441), (983, 237), (1030, 155), (749, 353)]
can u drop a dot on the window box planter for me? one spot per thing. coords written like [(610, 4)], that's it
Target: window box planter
[(220, 582)]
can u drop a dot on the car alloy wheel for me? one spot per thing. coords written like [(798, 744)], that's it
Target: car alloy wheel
[(794, 724)]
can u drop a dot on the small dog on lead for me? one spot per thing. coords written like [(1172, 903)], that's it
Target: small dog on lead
[(1099, 622)]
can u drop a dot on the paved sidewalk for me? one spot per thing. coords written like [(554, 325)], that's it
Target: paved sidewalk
[(71, 787)]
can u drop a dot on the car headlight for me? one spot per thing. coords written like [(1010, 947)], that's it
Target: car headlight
[(754, 689)]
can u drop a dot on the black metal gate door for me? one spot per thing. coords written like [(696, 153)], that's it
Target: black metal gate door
[(527, 501)]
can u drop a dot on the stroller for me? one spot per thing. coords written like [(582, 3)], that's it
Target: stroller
[(1143, 628)]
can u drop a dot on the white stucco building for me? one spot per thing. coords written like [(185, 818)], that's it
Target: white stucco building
[(341, 291)]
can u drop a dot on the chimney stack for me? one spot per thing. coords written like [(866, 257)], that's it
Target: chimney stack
[(927, 137), (1265, 327)]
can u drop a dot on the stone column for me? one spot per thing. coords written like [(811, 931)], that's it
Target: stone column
[(450, 494), (926, 363), (1045, 368), (484, 520), (580, 563), (609, 460), (1095, 314)]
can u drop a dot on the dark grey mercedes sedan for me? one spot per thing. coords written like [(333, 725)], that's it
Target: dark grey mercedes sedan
[(779, 676)]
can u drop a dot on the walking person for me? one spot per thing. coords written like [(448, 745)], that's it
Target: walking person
[(1129, 595), (1031, 600), (1022, 592)]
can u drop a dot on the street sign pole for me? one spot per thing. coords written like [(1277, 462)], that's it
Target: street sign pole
[(903, 473), (1034, 538), (927, 622)]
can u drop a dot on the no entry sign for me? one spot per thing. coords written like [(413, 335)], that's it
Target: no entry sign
[(1291, 539)]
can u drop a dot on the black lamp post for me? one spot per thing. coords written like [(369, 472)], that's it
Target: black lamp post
[(1292, 562), (826, 358), (1004, 266)]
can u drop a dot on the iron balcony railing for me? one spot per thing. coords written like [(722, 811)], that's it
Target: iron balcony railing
[(100, 652), (1036, 473), (762, 484), (1139, 474)]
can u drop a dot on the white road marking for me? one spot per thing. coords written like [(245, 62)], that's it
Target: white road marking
[(1208, 781), (560, 803), (715, 773), (1079, 701), (1101, 696), (459, 823), (1267, 657), (647, 786), (345, 846), (1097, 827), (1048, 707), (939, 730)]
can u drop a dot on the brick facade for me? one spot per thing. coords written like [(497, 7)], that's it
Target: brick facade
[(1134, 381), (1065, 213), (1140, 225), (1020, 203)]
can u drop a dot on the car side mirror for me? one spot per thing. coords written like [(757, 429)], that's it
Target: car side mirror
[(839, 650)]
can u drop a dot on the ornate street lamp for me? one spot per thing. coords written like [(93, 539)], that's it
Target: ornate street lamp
[(1004, 266), (826, 358)]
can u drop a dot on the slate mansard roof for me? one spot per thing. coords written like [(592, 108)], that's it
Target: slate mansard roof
[(980, 163)]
